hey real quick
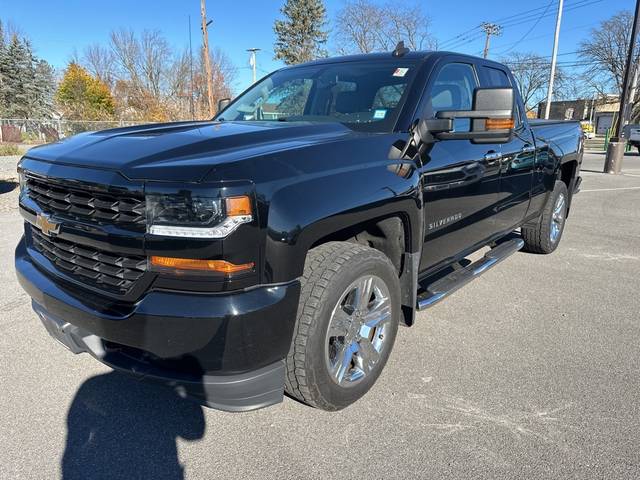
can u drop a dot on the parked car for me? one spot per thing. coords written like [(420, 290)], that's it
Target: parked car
[(588, 130), (632, 134), (279, 246)]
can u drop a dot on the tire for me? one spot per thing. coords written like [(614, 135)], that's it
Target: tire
[(545, 234), (331, 369)]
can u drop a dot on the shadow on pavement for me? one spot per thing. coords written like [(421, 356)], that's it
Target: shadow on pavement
[(7, 186), (119, 428)]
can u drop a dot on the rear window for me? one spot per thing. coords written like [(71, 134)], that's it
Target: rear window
[(496, 77)]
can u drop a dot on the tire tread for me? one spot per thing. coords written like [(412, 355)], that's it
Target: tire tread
[(322, 264)]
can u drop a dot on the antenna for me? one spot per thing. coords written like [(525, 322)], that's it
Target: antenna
[(400, 50)]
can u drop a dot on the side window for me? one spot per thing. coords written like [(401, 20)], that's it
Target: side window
[(453, 90)]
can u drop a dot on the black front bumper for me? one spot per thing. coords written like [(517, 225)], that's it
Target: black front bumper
[(225, 350)]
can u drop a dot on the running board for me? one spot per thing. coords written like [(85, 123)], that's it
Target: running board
[(445, 286)]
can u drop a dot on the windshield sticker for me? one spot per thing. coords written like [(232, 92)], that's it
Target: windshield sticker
[(400, 72), (379, 114)]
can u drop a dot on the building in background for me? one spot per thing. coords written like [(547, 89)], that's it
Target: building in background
[(600, 111)]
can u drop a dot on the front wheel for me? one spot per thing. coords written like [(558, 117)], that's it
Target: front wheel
[(347, 322), (544, 235)]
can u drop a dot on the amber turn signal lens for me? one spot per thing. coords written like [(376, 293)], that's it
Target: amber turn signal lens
[(499, 124), (220, 266), (238, 206)]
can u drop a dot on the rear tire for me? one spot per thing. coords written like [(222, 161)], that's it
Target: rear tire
[(545, 234), (347, 322)]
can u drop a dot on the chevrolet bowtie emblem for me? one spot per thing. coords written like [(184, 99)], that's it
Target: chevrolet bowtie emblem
[(47, 226)]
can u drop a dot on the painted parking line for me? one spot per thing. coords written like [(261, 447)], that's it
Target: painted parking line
[(609, 189)]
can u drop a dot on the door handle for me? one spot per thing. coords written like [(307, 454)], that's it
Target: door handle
[(492, 158), (528, 149)]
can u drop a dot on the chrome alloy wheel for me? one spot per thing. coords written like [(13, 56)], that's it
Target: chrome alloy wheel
[(358, 330), (557, 218)]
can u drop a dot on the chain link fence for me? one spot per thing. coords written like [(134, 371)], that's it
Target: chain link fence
[(37, 131)]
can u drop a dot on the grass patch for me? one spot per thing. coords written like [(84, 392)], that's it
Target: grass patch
[(9, 149)]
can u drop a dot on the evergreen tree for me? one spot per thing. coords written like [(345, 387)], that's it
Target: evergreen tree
[(16, 69), (43, 90), (26, 83), (301, 34), (3, 49)]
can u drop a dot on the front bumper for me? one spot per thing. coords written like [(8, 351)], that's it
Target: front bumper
[(225, 350)]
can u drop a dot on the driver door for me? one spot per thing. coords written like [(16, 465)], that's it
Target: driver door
[(459, 179)]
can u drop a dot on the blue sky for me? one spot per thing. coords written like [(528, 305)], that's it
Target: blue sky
[(57, 28)]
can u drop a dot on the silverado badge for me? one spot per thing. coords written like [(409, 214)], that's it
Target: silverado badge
[(47, 226)]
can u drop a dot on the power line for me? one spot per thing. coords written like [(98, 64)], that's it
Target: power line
[(527, 16), (532, 27), (579, 27), (576, 6)]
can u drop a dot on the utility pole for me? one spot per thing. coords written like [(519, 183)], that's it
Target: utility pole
[(554, 61), (253, 62), (490, 29), (617, 145), (207, 58), (633, 91)]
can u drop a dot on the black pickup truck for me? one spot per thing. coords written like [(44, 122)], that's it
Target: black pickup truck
[(278, 247)]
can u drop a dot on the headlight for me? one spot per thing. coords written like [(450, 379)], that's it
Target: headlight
[(23, 181), (196, 216)]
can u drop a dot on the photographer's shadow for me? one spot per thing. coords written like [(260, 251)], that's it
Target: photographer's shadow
[(119, 427)]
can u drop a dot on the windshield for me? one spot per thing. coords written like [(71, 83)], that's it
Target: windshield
[(363, 96)]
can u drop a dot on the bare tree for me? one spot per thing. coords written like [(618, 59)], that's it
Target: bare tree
[(357, 27), (364, 26), (126, 51), (223, 72), (531, 73), (144, 60), (154, 82), (155, 58), (100, 62), (605, 51), (407, 21)]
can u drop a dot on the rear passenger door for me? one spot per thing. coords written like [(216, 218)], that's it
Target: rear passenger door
[(459, 178), (518, 156)]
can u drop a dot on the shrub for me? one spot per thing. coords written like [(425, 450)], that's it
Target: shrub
[(30, 137), (9, 149)]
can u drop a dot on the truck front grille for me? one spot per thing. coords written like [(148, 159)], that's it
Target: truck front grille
[(106, 271), (84, 203)]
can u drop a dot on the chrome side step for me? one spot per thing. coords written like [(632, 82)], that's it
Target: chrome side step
[(445, 286)]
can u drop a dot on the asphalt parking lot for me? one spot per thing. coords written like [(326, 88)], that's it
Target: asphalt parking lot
[(532, 371)]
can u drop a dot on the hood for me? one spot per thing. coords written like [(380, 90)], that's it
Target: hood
[(185, 151)]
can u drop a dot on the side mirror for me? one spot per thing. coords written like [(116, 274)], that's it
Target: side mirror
[(492, 118), (223, 103)]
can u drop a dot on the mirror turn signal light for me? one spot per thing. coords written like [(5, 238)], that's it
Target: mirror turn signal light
[(219, 266), (499, 124)]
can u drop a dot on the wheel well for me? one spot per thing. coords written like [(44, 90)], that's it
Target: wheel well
[(567, 172), (567, 175), (386, 235)]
